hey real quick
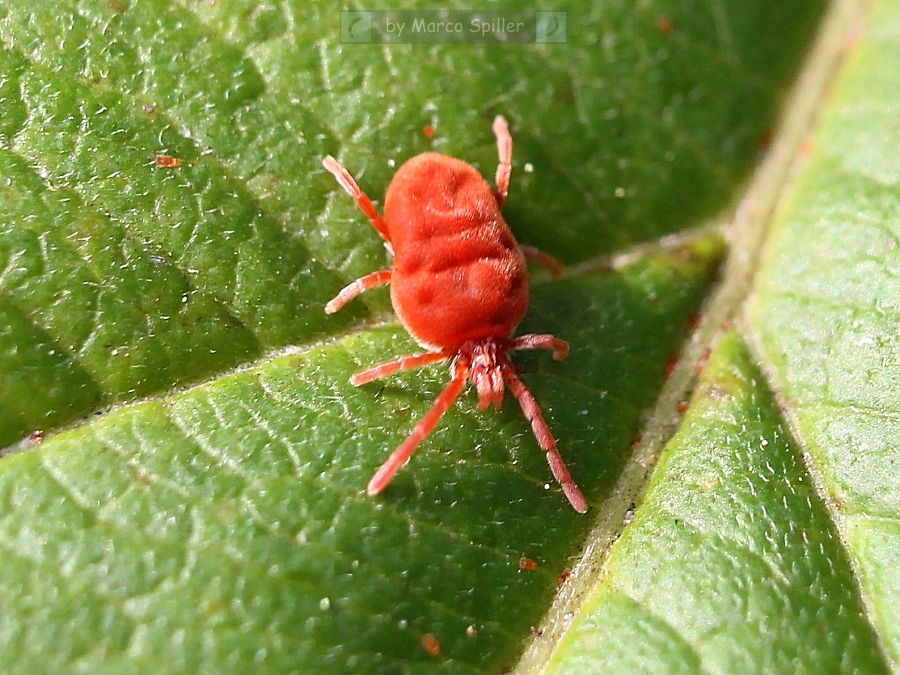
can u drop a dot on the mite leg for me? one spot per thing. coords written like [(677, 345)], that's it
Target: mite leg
[(391, 367), (489, 385), (504, 153), (559, 347), (403, 452), (345, 180), (543, 259), (362, 284), (497, 387), (545, 439)]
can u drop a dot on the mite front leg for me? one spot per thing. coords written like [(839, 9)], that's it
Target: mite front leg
[(361, 285), (345, 180), (504, 153), (543, 259), (545, 439), (560, 348), (405, 450), (391, 367)]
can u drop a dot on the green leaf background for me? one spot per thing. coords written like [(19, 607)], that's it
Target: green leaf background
[(197, 502)]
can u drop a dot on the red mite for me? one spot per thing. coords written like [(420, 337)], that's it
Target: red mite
[(460, 287)]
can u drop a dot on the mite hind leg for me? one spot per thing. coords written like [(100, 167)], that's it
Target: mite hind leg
[(504, 155), (345, 180), (504, 171), (350, 291), (353, 289), (543, 259)]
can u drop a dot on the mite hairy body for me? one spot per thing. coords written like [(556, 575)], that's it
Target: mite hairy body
[(459, 285)]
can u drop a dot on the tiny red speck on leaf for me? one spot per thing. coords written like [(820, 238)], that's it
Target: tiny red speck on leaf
[(527, 564), (670, 366), (700, 364), (664, 25), (806, 147), (430, 644), (167, 161), (428, 131), (36, 437), (681, 407), (564, 576)]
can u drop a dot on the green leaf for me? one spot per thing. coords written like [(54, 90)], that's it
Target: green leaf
[(236, 510), (732, 563), (198, 504), (236, 251), (826, 307), (762, 548)]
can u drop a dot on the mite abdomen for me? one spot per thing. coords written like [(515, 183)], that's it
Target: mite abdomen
[(461, 286)]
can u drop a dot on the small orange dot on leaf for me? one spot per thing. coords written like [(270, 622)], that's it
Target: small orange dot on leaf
[(430, 644), (670, 366), (167, 161)]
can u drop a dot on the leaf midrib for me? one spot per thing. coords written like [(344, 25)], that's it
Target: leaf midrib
[(747, 228)]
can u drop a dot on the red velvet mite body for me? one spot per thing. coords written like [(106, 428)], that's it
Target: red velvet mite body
[(459, 285), (458, 273)]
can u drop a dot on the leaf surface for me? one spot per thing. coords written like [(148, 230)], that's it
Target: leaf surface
[(211, 517), (732, 563), (760, 546), (236, 510), (139, 277), (825, 312)]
